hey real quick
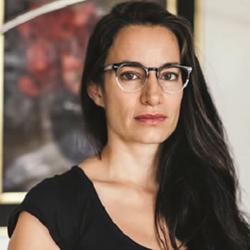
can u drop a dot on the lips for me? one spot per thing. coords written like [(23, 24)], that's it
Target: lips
[(151, 118)]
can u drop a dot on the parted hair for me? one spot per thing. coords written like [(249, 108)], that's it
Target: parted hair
[(198, 186)]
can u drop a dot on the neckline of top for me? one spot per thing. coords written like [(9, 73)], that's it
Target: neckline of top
[(104, 210)]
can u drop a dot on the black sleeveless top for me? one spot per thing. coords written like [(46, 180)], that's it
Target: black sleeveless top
[(68, 205)]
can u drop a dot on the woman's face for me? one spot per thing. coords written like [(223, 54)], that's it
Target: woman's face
[(150, 115)]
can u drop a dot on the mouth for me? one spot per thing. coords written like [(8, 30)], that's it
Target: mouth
[(151, 119)]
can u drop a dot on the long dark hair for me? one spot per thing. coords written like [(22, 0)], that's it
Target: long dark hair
[(197, 195)]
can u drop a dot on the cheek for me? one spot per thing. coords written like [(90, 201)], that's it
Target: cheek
[(174, 105), (120, 108)]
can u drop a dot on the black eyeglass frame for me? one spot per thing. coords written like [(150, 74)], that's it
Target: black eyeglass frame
[(116, 66)]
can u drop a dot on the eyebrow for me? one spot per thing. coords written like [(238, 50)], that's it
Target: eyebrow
[(139, 63)]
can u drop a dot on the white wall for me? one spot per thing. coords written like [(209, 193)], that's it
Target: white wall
[(3, 242), (225, 33)]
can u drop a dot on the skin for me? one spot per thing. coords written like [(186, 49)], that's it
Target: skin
[(126, 168), (129, 141)]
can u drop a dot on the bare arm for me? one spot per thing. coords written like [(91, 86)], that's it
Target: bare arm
[(31, 234)]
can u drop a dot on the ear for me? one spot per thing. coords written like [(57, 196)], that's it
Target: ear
[(96, 94)]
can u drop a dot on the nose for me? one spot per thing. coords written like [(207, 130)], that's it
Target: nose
[(151, 93)]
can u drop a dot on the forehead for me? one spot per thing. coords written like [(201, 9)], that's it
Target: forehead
[(147, 44)]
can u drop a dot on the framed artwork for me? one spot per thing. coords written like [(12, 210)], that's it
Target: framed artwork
[(43, 45), (42, 65)]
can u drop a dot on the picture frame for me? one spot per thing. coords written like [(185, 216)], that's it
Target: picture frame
[(43, 69)]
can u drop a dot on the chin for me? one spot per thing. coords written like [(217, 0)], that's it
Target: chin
[(153, 139)]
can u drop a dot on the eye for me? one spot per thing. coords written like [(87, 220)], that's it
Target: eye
[(129, 76), (169, 76)]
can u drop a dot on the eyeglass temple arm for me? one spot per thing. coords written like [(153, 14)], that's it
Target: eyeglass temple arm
[(111, 67)]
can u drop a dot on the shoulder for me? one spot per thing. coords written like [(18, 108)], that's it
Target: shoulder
[(58, 203), (59, 189)]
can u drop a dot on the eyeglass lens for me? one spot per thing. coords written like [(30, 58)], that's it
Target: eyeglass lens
[(132, 78)]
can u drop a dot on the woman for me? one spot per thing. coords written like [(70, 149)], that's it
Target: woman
[(162, 177)]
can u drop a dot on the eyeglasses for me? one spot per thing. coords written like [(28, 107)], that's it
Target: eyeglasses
[(132, 76)]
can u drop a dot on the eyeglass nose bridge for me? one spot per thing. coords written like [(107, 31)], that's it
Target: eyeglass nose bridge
[(152, 69), (157, 73)]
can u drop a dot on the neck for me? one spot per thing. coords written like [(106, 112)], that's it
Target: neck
[(134, 164)]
